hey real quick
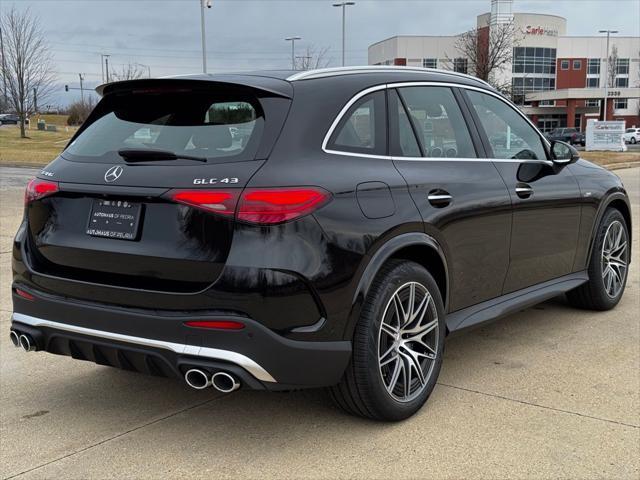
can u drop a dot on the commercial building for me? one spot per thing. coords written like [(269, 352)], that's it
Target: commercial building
[(557, 80)]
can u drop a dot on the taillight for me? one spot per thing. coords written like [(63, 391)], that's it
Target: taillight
[(216, 324), (37, 189), (222, 202), (277, 205), (264, 206)]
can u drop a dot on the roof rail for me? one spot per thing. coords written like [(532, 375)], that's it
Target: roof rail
[(336, 71)]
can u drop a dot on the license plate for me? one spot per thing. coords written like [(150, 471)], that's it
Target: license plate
[(114, 219)]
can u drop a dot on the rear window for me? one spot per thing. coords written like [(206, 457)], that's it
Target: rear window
[(218, 126)]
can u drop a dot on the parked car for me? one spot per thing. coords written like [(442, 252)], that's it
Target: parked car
[(331, 249), (631, 135), (11, 119), (569, 135)]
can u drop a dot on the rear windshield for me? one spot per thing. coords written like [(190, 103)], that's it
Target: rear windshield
[(218, 126)]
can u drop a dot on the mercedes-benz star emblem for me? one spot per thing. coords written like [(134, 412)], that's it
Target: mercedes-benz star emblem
[(113, 174)]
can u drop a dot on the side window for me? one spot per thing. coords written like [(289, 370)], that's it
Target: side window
[(402, 140), (363, 128), (438, 120), (510, 135)]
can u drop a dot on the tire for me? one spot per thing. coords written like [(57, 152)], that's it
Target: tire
[(607, 278), (633, 140), (363, 389)]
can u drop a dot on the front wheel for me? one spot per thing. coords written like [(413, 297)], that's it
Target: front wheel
[(397, 347), (608, 265), (633, 140)]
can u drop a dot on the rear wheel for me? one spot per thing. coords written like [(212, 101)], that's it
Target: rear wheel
[(608, 266), (397, 346), (633, 140)]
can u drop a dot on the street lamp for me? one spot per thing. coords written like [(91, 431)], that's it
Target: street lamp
[(344, 5), (204, 43), (293, 50), (606, 72)]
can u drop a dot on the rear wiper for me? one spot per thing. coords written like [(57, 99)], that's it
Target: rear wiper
[(152, 155)]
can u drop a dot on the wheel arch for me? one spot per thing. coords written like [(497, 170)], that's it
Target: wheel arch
[(417, 247), (620, 202)]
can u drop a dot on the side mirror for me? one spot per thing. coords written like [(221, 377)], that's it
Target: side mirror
[(562, 153)]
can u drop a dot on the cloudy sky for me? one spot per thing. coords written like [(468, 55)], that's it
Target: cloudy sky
[(249, 34)]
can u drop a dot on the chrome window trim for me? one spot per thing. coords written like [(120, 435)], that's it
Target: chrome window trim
[(206, 352), (387, 86)]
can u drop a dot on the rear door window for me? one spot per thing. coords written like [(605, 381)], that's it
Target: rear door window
[(438, 121), (216, 126)]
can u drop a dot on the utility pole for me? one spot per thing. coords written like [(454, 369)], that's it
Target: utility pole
[(344, 6), (103, 57), (293, 50), (202, 32), (35, 100), (81, 88), (606, 72), (106, 66)]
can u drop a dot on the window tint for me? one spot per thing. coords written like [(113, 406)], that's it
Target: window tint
[(189, 123), (403, 142), (363, 128), (510, 135), (438, 120)]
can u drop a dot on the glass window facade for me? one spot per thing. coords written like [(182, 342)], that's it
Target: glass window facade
[(523, 85), (460, 65), (622, 66), (593, 66), (620, 103), (534, 60), (593, 82), (622, 82), (430, 63)]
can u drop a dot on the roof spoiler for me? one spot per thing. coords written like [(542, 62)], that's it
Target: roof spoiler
[(270, 85)]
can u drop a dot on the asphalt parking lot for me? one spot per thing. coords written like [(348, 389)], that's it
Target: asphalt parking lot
[(548, 392)]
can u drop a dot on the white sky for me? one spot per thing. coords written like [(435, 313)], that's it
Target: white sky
[(248, 34)]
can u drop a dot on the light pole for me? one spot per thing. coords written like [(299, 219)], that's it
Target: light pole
[(344, 6), (293, 50), (606, 72), (81, 87), (104, 60), (204, 43)]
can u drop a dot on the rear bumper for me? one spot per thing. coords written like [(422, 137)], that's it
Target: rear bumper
[(159, 343)]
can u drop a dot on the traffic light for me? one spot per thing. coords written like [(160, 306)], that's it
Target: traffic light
[(66, 88)]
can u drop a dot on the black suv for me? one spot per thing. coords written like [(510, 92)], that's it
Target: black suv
[(328, 228), (568, 135)]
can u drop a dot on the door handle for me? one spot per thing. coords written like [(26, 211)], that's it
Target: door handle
[(523, 190), (439, 198)]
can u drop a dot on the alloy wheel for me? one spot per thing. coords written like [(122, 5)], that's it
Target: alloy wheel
[(615, 258), (408, 341)]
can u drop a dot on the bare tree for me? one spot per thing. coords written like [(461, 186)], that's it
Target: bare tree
[(130, 71), (26, 65), (313, 58), (489, 51), (612, 69)]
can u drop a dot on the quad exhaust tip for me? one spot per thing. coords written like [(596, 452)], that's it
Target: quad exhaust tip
[(197, 379), (15, 338), (224, 382), (27, 343)]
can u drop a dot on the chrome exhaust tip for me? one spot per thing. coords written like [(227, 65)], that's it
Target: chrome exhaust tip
[(224, 382), (15, 338), (27, 343), (197, 379)]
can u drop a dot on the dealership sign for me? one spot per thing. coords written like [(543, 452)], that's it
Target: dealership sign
[(550, 32), (605, 135)]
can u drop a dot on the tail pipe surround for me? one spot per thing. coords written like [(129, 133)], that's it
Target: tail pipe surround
[(222, 381), (15, 338), (27, 343)]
